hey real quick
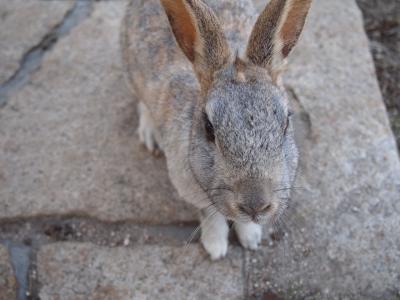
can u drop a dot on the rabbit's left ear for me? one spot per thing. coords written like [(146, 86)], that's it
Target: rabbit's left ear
[(199, 35), (276, 32)]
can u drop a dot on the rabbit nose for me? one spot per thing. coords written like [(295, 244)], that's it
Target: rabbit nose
[(252, 209)]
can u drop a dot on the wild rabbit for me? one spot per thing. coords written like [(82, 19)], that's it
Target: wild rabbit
[(223, 122)]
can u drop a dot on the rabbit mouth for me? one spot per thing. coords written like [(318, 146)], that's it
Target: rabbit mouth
[(232, 213)]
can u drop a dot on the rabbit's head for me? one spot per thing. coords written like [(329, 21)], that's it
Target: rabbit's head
[(242, 150)]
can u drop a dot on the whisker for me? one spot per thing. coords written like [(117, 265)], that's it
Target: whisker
[(196, 230), (290, 188), (192, 235), (207, 195)]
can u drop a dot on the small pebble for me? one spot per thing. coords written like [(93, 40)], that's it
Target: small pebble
[(254, 260), (126, 240)]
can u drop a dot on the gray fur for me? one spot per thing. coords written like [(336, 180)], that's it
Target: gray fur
[(249, 120), (254, 154)]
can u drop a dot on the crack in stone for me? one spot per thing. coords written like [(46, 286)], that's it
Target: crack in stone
[(32, 59), (38, 231), (24, 238), (20, 258)]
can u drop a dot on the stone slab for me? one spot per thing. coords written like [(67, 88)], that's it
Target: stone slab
[(343, 239), (23, 24), (68, 142), (68, 146), (8, 283), (86, 271)]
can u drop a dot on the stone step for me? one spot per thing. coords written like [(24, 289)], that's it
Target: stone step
[(85, 271), (68, 139)]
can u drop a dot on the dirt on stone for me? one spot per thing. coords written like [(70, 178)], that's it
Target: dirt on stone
[(382, 24)]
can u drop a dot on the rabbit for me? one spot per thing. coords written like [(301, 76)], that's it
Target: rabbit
[(216, 107)]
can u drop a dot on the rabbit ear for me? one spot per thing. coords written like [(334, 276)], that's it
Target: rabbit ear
[(276, 32), (199, 35)]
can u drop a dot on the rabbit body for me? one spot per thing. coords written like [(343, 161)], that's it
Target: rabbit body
[(221, 122), (164, 82)]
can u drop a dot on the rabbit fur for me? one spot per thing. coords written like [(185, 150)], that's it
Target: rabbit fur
[(206, 74)]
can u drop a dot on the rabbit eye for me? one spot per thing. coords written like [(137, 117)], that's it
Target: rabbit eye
[(208, 128)]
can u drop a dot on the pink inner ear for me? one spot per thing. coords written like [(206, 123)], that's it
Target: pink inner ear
[(293, 24), (182, 25)]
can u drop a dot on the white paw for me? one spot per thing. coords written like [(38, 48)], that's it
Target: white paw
[(215, 247), (214, 234), (249, 234), (147, 130)]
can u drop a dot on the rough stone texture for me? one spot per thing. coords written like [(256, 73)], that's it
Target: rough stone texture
[(23, 24), (67, 140), (8, 285), (259, 4), (85, 271), (343, 237)]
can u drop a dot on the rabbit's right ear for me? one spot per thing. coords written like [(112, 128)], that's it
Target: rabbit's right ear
[(276, 32), (199, 35)]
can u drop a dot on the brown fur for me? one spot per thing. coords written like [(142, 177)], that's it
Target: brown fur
[(197, 31), (152, 60), (261, 41), (183, 25), (276, 32), (293, 24)]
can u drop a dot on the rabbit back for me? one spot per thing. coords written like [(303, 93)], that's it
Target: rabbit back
[(153, 62)]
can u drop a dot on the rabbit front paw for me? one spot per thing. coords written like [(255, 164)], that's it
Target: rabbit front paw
[(249, 234), (215, 247), (214, 235)]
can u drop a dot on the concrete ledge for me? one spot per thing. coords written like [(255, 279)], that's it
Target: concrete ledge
[(86, 271)]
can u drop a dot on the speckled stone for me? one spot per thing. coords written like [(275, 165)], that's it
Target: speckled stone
[(8, 284), (68, 141), (86, 271), (23, 24)]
